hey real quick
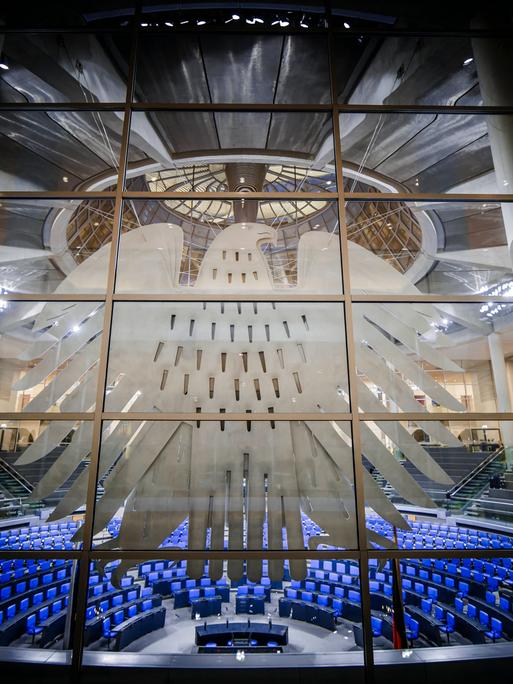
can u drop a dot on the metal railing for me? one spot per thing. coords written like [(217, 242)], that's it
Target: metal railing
[(22, 481), (451, 493)]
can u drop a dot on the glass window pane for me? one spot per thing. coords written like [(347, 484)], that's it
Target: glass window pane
[(60, 246), (237, 485), (230, 247), (429, 247), (210, 357), (293, 608), (96, 13), (35, 598), (420, 70), (429, 153), (49, 355), (42, 467), (59, 150), (242, 68), (457, 468), (425, 603), (64, 67), (232, 151), (415, 357)]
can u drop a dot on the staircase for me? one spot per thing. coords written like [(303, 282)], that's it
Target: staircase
[(470, 472)]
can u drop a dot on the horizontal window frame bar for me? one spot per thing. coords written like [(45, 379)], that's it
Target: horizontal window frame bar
[(327, 416), (274, 297), (427, 197), (302, 107)]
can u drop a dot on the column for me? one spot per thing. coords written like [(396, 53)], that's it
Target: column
[(500, 380), (494, 63)]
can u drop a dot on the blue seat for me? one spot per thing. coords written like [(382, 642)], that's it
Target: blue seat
[(490, 598), (377, 626), (458, 604), (90, 613), (307, 596), (32, 628), (472, 611), (208, 591), (449, 626), (495, 631), (272, 644), (432, 593), (211, 644), (107, 632), (412, 632), (337, 606), (117, 600), (426, 606), (484, 618), (132, 611), (322, 600), (11, 611), (439, 613), (194, 594)]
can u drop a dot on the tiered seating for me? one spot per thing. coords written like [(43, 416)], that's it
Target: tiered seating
[(55, 536)]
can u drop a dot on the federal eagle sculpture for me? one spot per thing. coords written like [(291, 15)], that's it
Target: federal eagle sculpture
[(241, 485)]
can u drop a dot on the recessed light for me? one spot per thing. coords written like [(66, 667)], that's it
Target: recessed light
[(469, 60), (346, 25), (168, 23), (65, 179), (4, 66)]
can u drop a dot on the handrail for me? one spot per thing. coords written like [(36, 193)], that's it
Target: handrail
[(475, 471), (17, 476)]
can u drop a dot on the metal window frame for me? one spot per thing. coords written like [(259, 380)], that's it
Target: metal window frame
[(362, 553)]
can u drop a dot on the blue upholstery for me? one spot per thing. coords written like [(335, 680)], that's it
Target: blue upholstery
[(495, 631), (377, 626)]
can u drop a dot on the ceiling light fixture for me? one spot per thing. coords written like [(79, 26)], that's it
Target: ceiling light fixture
[(201, 22), (4, 66), (469, 60), (169, 23), (346, 25)]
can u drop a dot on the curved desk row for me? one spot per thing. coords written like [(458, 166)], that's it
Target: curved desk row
[(308, 612), (261, 632), (137, 626)]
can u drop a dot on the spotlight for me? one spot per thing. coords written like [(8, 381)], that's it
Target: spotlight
[(144, 25), (303, 25), (65, 179), (169, 23), (346, 25), (235, 17), (76, 328), (469, 60), (4, 66), (200, 22)]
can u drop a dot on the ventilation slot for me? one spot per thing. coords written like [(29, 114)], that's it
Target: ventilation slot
[(248, 423), (198, 422), (280, 357), (305, 322), (236, 256), (255, 275), (178, 354), (204, 306), (222, 307), (256, 382), (250, 333), (236, 385), (273, 304), (229, 278), (223, 410), (158, 350), (224, 254), (239, 308), (262, 361), (286, 326), (301, 353), (243, 277), (211, 382), (214, 273), (298, 382), (245, 361), (213, 331), (173, 319), (276, 386), (164, 379), (198, 359), (232, 332), (255, 308), (223, 361), (191, 327), (271, 410), (186, 384), (267, 333), (250, 256)]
